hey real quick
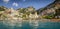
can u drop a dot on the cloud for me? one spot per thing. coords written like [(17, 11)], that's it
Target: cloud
[(6, 1), (15, 4)]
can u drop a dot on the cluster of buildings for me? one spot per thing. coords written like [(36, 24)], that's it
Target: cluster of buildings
[(15, 14), (30, 12)]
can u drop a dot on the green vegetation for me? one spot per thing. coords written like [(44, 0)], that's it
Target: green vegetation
[(57, 12), (22, 10), (49, 16), (2, 8)]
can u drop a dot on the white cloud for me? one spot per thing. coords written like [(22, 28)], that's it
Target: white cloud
[(6, 1), (15, 4)]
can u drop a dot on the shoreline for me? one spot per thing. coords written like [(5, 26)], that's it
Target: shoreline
[(43, 20)]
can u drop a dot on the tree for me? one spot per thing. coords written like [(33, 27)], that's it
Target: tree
[(22, 10), (57, 13), (2, 8), (49, 16)]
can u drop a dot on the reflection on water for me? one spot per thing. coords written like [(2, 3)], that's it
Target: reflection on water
[(32, 25)]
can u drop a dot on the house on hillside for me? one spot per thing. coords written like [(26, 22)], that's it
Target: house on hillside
[(30, 8), (35, 15)]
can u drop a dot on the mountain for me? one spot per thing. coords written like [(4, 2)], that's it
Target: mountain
[(53, 8), (52, 5)]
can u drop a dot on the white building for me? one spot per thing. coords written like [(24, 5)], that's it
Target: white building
[(33, 15)]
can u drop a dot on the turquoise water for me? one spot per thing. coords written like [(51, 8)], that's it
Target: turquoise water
[(27, 25)]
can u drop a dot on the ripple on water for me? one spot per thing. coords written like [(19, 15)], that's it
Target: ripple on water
[(32, 25)]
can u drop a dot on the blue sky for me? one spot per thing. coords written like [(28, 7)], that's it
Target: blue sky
[(25, 3)]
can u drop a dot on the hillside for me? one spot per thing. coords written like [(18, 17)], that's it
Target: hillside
[(53, 8), (51, 11)]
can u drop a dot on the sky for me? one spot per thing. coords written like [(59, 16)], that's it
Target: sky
[(25, 3)]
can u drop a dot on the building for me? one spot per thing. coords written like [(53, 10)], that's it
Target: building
[(33, 15), (30, 8)]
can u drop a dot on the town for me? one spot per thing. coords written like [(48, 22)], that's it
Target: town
[(51, 11)]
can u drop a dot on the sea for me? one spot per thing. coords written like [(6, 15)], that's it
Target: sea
[(31, 25)]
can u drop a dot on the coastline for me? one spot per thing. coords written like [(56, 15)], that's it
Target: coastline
[(44, 20)]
